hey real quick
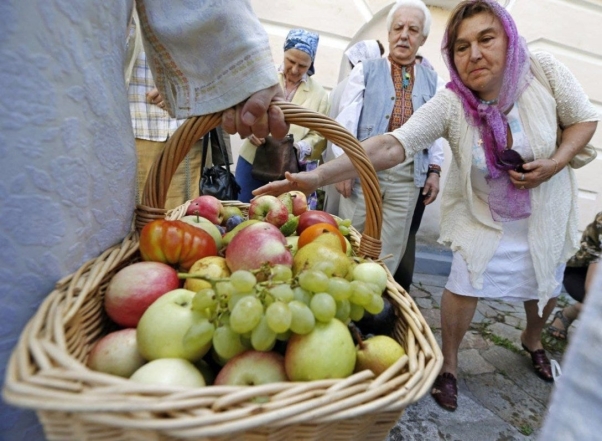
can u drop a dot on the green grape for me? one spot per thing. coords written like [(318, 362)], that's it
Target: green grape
[(281, 273), (314, 281), (302, 295), (326, 267), (339, 288), (227, 343), (284, 336), (246, 314), (224, 319), (279, 317), (344, 230), (204, 299), (303, 320), (224, 289), (356, 313), (323, 306), (345, 222), (235, 298), (262, 337), (343, 310), (243, 281), (374, 288), (361, 293), (283, 292), (199, 334), (376, 304)]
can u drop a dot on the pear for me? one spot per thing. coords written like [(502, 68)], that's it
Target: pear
[(292, 241), (315, 252), (325, 352), (377, 354), (329, 239), (211, 267), (287, 200)]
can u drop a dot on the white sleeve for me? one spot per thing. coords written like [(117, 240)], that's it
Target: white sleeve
[(436, 155), (352, 101)]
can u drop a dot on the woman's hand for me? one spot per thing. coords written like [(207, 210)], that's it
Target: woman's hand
[(256, 116), (534, 174), (431, 188), (155, 97), (255, 140), (344, 187), (304, 181)]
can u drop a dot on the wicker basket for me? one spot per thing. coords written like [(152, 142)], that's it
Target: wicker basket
[(47, 370)]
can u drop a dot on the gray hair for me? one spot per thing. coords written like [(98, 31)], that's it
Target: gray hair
[(418, 4)]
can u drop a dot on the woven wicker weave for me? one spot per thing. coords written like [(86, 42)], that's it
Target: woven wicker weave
[(47, 370)]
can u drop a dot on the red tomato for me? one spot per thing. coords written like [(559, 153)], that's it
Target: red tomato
[(312, 217), (315, 230), (175, 242)]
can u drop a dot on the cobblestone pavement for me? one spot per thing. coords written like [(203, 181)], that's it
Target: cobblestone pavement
[(500, 396)]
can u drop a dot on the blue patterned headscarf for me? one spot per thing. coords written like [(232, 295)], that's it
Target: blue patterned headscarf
[(304, 41)]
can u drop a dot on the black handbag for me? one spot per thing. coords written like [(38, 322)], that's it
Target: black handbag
[(274, 157), (217, 180)]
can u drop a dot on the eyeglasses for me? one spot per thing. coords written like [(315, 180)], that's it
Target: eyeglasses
[(510, 160)]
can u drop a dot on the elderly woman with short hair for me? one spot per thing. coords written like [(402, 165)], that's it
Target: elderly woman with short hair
[(509, 207)]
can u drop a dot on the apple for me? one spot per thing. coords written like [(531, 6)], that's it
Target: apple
[(208, 226), (208, 207), (299, 202), (134, 288), (377, 354), (252, 368), (327, 351), (116, 354), (269, 209), (163, 330), (255, 245), (212, 267), (311, 217), (169, 372), (371, 272), (230, 211)]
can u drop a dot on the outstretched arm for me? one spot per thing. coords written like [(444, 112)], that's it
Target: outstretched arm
[(384, 151)]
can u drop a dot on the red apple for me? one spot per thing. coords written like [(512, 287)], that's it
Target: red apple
[(252, 368), (311, 217), (299, 202), (116, 354), (134, 288), (207, 206), (257, 244), (268, 209)]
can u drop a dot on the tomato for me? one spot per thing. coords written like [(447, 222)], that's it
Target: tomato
[(312, 217), (175, 243), (315, 230)]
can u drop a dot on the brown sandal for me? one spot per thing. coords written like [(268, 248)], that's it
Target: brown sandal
[(541, 363), (555, 331), (445, 391)]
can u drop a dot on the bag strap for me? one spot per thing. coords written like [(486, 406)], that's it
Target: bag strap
[(540, 74), (205, 148), (216, 137)]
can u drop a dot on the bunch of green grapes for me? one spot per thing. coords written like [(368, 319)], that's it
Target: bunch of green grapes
[(344, 225), (244, 313)]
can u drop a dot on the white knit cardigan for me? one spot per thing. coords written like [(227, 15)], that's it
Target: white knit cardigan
[(466, 222)]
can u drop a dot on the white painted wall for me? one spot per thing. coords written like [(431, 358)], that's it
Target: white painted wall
[(570, 29)]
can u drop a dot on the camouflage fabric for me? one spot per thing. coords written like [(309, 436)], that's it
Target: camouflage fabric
[(591, 244)]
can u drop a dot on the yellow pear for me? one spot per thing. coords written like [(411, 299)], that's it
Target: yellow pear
[(329, 239), (212, 267), (377, 354), (315, 252)]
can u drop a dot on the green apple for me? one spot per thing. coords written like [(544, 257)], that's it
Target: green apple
[(205, 224), (378, 353), (169, 372), (327, 351), (164, 325)]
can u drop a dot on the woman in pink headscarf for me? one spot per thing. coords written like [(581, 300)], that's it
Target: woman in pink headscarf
[(509, 204)]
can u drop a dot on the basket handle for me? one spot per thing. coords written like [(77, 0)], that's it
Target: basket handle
[(194, 128)]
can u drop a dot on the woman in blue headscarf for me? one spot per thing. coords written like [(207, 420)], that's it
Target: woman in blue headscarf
[(295, 74)]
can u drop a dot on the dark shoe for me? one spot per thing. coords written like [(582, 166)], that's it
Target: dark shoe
[(557, 332), (541, 363), (445, 391)]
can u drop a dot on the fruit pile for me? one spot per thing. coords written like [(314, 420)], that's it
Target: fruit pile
[(224, 298)]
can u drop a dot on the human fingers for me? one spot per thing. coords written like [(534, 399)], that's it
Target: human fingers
[(430, 193), (154, 96), (260, 118), (229, 120), (345, 187)]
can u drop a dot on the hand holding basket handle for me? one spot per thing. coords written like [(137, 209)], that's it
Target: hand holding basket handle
[(178, 146)]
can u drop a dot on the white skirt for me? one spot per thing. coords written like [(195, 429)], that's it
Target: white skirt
[(510, 275)]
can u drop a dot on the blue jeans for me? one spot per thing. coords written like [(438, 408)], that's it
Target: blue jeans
[(245, 180)]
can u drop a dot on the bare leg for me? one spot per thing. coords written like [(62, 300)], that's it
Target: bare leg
[(531, 336), (456, 314)]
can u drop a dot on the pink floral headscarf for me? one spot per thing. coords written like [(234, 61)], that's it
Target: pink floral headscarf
[(505, 201)]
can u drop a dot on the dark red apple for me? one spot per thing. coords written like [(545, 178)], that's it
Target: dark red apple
[(311, 217)]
